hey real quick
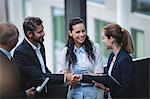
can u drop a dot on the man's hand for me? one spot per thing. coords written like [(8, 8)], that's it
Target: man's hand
[(73, 79), (30, 92)]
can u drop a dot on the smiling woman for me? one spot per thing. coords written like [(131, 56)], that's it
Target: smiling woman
[(81, 56), (78, 34)]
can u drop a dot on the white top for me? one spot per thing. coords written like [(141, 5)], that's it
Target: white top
[(39, 55), (111, 65), (83, 61)]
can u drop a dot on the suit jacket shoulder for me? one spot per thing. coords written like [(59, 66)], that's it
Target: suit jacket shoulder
[(9, 77), (27, 60)]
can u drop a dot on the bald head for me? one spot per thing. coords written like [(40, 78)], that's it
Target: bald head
[(8, 35)]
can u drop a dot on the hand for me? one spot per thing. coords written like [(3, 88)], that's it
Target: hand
[(101, 86), (76, 79), (73, 79), (30, 92), (69, 76)]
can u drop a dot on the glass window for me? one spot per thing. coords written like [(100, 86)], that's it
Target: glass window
[(59, 36), (142, 6), (138, 41), (99, 24), (97, 1), (27, 8)]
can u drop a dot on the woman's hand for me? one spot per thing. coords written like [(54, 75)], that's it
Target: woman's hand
[(73, 79), (101, 86)]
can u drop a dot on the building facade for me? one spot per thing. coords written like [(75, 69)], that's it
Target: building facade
[(133, 15)]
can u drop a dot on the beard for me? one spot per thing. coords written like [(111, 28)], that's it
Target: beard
[(38, 40), (42, 39)]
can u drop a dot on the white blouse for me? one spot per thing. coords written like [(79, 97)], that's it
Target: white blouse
[(83, 61)]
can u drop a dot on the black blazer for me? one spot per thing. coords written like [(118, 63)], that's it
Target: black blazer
[(9, 78), (123, 72), (29, 65)]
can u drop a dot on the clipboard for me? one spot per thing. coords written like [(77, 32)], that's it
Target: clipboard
[(105, 79)]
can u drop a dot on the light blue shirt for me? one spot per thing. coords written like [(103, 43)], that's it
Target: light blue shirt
[(83, 61), (84, 66), (6, 53)]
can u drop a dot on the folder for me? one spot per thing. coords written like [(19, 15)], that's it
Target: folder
[(56, 88), (54, 79), (34, 83), (105, 79)]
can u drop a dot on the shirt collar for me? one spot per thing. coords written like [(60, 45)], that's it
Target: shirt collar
[(81, 49), (36, 48), (6, 53)]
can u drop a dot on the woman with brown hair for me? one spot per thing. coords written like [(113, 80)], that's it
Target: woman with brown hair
[(120, 65), (81, 56)]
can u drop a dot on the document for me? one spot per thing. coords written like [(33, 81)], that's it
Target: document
[(105, 79)]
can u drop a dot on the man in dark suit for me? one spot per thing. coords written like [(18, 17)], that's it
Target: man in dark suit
[(9, 74), (30, 55)]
